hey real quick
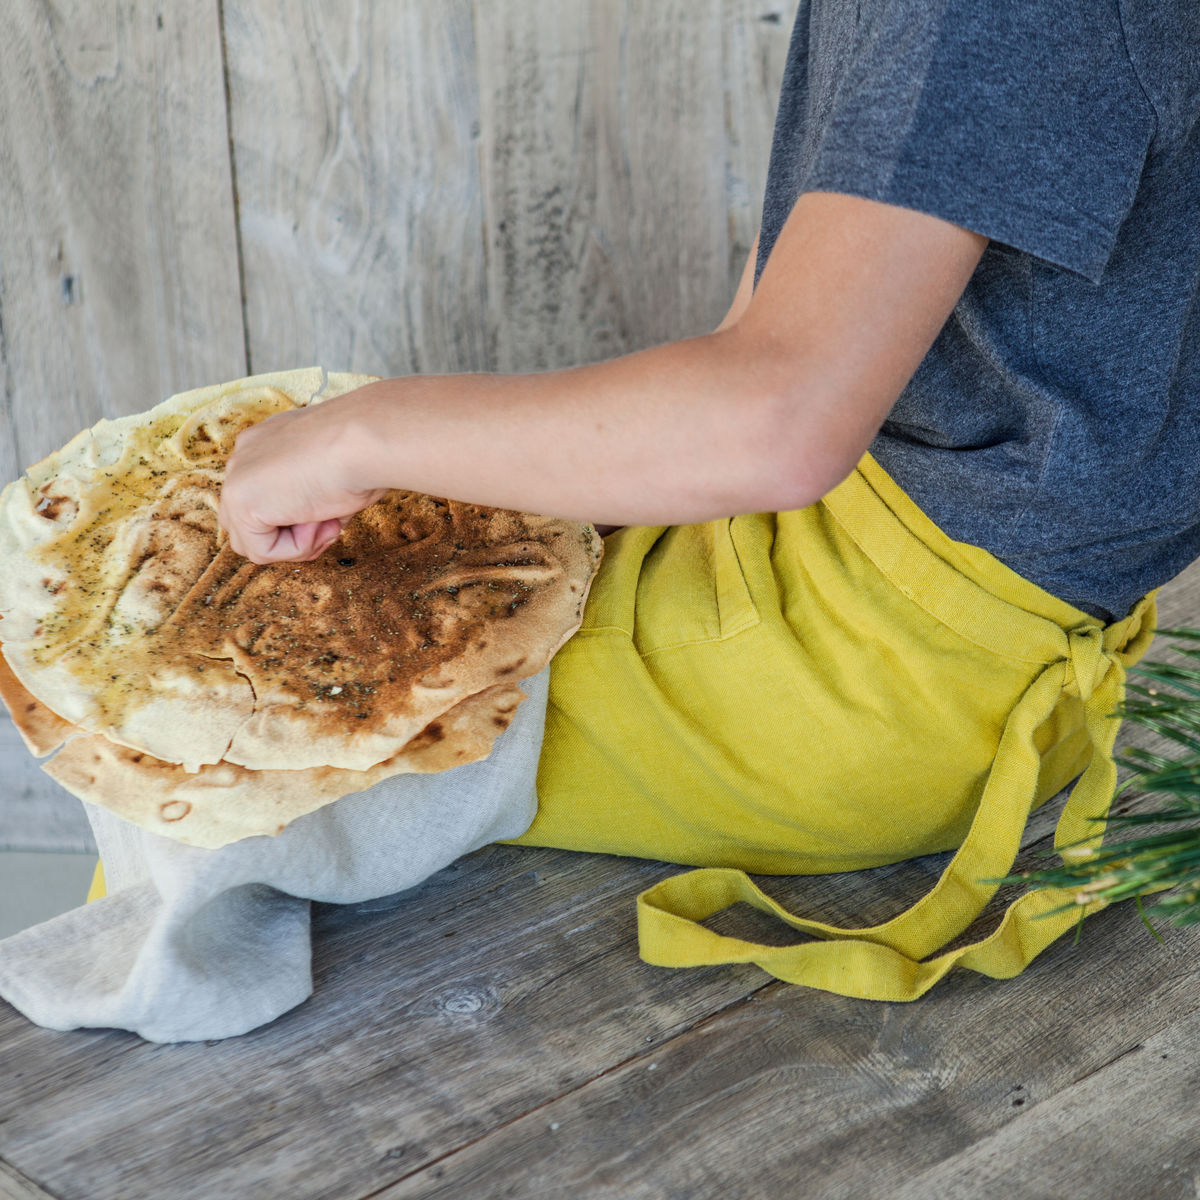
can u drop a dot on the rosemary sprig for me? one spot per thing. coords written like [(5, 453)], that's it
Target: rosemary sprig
[(1162, 849)]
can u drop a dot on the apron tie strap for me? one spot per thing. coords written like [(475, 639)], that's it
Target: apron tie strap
[(1087, 661), (891, 961)]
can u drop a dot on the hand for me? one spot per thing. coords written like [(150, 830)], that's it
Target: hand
[(290, 485)]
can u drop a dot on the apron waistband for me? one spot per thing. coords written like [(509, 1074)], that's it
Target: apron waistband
[(963, 586)]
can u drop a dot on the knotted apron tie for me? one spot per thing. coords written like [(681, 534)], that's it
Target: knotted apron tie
[(891, 961)]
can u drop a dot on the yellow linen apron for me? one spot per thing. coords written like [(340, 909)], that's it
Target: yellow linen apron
[(825, 690)]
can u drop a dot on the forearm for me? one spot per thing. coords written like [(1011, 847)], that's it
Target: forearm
[(765, 414), (679, 433)]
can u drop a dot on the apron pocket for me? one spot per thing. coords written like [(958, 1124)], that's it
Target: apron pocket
[(692, 589)]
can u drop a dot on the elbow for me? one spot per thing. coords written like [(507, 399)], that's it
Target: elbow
[(801, 420), (802, 452)]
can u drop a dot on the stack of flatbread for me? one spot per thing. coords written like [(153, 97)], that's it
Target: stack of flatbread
[(206, 698)]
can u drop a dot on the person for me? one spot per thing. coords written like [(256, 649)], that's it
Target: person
[(883, 544)]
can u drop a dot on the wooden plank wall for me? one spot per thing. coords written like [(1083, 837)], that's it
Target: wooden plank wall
[(195, 192), (118, 256)]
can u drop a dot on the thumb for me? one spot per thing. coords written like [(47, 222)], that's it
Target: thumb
[(282, 543), (324, 534), (303, 542)]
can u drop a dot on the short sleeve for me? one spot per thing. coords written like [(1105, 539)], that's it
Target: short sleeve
[(1023, 121)]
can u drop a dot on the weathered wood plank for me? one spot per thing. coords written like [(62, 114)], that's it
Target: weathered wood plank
[(503, 983), (363, 224), (604, 222), (1179, 600), (355, 130), (14, 1186), (118, 264), (755, 40), (798, 1093), (1127, 1130), (118, 244), (603, 139), (431, 1022)]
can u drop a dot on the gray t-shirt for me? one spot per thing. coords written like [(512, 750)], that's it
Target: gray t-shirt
[(1056, 420)]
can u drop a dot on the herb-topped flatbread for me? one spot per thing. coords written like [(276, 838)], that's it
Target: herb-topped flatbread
[(127, 616)]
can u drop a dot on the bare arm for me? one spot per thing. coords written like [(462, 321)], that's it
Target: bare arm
[(766, 413), (741, 300)]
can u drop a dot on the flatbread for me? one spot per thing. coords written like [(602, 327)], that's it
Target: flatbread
[(129, 616), (224, 803), (207, 698), (41, 729)]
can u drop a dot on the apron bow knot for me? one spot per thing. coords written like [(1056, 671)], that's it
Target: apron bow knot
[(1088, 661)]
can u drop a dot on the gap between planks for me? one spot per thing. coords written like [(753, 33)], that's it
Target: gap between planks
[(233, 187), (1079, 1143), (15, 1186)]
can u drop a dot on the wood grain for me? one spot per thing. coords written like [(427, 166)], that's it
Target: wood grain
[(604, 144), (507, 186), (355, 129), (502, 984), (793, 1092), (118, 263), (432, 1022), (1129, 1129), (14, 1186), (118, 244)]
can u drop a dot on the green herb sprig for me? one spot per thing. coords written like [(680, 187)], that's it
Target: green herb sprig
[(1163, 697)]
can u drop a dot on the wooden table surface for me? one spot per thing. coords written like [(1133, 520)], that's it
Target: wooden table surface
[(494, 1034), (195, 192)]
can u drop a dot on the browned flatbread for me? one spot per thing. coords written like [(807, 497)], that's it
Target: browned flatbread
[(40, 729), (127, 616), (224, 803), (421, 603)]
